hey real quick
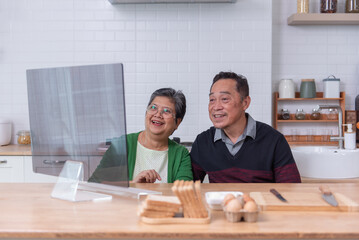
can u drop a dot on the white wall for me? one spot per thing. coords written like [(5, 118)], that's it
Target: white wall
[(314, 52), (178, 45)]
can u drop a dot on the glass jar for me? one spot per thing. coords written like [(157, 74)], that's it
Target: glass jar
[(315, 114), (285, 114), (300, 115), (332, 114), (352, 6), (302, 6), (23, 137), (328, 6)]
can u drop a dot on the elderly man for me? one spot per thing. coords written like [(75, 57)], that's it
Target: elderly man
[(238, 148)]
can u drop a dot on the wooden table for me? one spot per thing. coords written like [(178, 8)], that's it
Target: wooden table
[(28, 211)]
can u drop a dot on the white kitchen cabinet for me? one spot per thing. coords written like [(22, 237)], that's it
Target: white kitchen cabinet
[(11, 169), (31, 177)]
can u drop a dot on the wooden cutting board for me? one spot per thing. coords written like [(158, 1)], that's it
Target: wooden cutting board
[(303, 202)]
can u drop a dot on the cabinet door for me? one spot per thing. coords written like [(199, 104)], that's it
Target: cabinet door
[(32, 177), (11, 169)]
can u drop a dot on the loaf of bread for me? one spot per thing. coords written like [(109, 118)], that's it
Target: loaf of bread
[(188, 197), (189, 194), (159, 206)]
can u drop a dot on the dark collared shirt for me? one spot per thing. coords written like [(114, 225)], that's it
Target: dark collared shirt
[(233, 148)]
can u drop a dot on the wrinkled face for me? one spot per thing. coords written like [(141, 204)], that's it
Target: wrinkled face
[(226, 108), (160, 117)]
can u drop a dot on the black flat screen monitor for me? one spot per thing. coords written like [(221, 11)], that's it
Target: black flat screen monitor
[(75, 114)]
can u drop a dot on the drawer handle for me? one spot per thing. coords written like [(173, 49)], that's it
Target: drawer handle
[(3, 161), (54, 162)]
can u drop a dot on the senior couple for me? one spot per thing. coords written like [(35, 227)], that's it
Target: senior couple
[(236, 149)]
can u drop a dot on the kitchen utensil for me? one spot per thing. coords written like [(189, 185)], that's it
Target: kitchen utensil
[(278, 195), (328, 196), (309, 200)]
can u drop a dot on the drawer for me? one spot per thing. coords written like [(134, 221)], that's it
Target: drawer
[(11, 168), (52, 165)]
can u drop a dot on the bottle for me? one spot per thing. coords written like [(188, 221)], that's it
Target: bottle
[(315, 114), (328, 6), (300, 115), (349, 137), (285, 114), (302, 6), (352, 6)]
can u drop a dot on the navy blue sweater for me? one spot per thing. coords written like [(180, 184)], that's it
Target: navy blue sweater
[(267, 158)]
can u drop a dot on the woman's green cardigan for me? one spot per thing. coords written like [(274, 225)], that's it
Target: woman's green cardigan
[(179, 161)]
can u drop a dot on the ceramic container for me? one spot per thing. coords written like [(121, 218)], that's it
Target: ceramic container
[(331, 87), (286, 88), (307, 88), (5, 132)]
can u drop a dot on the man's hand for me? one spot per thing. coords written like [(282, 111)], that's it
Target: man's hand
[(147, 176)]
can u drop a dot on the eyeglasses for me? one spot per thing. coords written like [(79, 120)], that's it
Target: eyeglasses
[(166, 112)]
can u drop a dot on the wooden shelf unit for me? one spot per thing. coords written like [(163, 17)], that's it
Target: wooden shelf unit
[(323, 19), (305, 139)]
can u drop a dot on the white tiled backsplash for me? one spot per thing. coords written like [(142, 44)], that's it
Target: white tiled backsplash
[(171, 45)]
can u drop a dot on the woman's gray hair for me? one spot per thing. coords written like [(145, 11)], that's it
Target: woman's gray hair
[(177, 97)]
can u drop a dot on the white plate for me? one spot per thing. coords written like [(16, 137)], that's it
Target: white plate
[(214, 199)]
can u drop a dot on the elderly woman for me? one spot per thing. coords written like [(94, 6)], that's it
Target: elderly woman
[(152, 156)]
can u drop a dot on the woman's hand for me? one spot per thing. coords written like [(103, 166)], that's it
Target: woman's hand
[(147, 176)]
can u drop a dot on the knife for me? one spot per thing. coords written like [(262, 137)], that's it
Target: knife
[(278, 195), (328, 196)]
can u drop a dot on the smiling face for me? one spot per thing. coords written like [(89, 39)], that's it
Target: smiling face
[(226, 108), (158, 126)]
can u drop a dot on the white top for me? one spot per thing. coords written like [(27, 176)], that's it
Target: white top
[(147, 159)]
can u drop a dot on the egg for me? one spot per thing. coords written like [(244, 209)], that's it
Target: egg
[(233, 205), (227, 198), (250, 206), (247, 198)]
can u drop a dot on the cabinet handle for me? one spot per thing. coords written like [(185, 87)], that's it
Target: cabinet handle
[(3, 161), (54, 162)]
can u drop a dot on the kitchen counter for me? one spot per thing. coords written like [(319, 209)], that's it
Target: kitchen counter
[(15, 150), (25, 150), (29, 212)]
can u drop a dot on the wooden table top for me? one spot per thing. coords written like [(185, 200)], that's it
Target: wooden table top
[(28, 211), (15, 150)]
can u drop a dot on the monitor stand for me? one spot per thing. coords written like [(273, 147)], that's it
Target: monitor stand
[(71, 187), (66, 187), (116, 190)]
